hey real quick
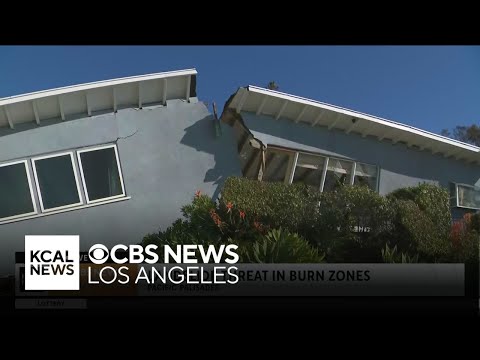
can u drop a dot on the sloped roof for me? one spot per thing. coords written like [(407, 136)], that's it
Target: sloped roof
[(314, 113), (104, 95)]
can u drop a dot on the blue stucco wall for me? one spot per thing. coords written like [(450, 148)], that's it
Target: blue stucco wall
[(400, 166), (166, 153)]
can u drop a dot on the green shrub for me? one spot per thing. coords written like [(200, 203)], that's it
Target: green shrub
[(280, 246), (417, 232), (432, 200), (422, 222), (392, 255), (350, 224), (468, 248), (353, 224), (220, 221), (356, 209), (207, 222), (465, 238), (276, 204), (180, 233), (474, 223)]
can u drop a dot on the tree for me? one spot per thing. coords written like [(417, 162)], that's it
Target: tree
[(272, 85), (469, 134)]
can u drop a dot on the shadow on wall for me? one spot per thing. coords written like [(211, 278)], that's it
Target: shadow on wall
[(6, 131), (202, 137)]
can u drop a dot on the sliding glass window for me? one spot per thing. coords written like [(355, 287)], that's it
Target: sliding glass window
[(366, 175), (101, 173), (320, 172), (16, 195), (57, 181), (308, 170), (338, 174)]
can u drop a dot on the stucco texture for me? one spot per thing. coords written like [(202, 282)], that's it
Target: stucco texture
[(400, 166), (166, 154)]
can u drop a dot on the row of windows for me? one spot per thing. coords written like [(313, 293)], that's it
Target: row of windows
[(57, 183), (326, 174), (321, 172)]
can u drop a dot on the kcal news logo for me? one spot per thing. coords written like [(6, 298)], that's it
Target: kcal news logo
[(52, 262)]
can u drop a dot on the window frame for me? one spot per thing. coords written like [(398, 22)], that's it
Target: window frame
[(30, 186), (377, 177), (84, 183), (457, 198), (290, 160), (297, 156), (352, 170), (291, 170), (37, 183)]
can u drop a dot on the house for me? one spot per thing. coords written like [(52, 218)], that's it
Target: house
[(287, 138), (114, 160), (110, 160)]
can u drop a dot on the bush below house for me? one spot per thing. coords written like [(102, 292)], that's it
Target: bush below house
[(275, 222)]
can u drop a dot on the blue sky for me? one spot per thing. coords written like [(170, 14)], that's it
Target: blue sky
[(424, 86)]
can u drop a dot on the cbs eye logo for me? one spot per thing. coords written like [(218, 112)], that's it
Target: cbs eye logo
[(98, 254)]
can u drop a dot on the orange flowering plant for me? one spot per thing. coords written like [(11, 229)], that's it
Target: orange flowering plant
[(220, 220)]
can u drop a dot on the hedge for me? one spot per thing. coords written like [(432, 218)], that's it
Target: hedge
[(351, 224), (354, 224), (290, 206), (348, 225)]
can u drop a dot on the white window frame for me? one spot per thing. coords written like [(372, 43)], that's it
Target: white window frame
[(38, 184), (80, 165), (377, 177), (457, 199), (352, 169), (32, 197), (292, 167)]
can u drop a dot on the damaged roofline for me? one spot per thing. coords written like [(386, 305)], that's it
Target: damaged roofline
[(229, 117), (355, 113), (258, 100)]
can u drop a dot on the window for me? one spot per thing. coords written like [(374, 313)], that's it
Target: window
[(466, 196), (16, 196), (101, 174), (309, 170), (365, 175), (276, 166), (57, 181), (320, 172), (338, 174)]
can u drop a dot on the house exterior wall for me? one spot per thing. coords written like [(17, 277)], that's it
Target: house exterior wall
[(166, 154), (400, 166)]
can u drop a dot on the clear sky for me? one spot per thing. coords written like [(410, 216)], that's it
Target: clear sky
[(424, 86)]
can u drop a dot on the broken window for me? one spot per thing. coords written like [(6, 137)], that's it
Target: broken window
[(309, 170), (338, 174), (365, 175), (276, 165)]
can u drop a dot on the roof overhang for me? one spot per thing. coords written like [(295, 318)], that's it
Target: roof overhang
[(314, 113), (107, 95)]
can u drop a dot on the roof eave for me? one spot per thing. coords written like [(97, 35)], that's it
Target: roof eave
[(94, 85), (415, 136)]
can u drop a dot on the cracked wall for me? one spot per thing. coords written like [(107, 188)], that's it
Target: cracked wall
[(166, 154)]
